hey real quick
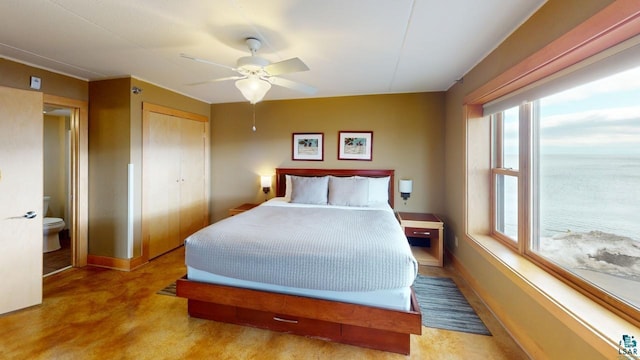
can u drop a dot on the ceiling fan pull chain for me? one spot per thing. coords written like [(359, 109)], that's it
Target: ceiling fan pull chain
[(254, 117)]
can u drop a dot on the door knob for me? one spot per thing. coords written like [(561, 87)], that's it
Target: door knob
[(30, 214)]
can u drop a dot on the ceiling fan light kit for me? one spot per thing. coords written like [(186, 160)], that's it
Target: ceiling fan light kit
[(258, 74), (253, 88)]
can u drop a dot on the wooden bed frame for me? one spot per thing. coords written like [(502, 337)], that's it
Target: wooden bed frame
[(360, 325)]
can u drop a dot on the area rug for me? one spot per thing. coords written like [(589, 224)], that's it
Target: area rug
[(442, 304), (169, 290), (444, 307)]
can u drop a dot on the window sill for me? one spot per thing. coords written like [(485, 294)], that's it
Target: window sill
[(590, 321)]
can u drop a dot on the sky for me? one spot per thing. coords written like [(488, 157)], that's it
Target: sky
[(601, 117)]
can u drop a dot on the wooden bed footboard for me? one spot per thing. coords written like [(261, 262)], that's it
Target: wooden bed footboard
[(360, 325)]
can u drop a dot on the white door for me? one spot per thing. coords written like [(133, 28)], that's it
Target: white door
[(21, 184)]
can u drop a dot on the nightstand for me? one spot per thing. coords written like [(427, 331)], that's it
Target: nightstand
[(425, 235), (242, 208)]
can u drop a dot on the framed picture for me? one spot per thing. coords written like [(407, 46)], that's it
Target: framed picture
[(355, 145), (308, 146)]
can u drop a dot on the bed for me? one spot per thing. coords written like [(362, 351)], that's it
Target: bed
[(313, 281)]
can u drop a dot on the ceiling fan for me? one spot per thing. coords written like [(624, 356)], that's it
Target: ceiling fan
[(256, 74)]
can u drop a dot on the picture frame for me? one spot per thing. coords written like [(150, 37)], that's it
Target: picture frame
[(355, 145), (307, 146)]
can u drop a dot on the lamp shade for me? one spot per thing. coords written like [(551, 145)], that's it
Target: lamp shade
[(253, 88), (265, 181), (406, 186)]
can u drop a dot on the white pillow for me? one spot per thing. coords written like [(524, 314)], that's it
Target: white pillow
[(287, 187), (309, 190), (378, 189), (348, 191)]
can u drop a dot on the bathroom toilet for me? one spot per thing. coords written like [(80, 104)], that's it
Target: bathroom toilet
[(51, 229)]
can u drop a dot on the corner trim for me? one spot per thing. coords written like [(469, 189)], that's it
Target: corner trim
[(116, 263)]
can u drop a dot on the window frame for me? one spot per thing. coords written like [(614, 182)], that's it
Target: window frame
[(508, 240), (527, 195), (522, 174), (613, 25), (497, 168)]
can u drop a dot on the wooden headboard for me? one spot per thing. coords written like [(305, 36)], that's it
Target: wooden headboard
[(281, 180)]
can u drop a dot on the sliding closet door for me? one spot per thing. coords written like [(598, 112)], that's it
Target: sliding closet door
[(161, 183), (192, 190), (174, 179)]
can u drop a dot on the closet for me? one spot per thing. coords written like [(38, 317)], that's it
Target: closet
[(173, 178)]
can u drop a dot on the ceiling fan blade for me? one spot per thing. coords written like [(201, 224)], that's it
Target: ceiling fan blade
[(206, 61), (216, 80), (307, 89), (286, 66)]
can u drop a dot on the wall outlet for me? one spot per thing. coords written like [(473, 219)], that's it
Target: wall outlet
[(455, 239)]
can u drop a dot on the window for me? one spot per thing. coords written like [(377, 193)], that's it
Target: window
[(504, 169), (582, 217)]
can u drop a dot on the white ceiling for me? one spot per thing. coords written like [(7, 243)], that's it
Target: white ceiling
[(352, 47)]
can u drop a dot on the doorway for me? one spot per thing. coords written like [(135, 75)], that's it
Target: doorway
[(65, 152), (57, 254)]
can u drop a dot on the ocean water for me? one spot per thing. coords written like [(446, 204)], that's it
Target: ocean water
[(584, 193), (590, 217)]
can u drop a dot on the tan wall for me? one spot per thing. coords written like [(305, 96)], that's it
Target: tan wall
[(115, 141), (408, 132), (554, 19), (109, 151), (17, 76)]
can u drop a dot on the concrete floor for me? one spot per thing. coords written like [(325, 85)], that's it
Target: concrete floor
[(94, 313)]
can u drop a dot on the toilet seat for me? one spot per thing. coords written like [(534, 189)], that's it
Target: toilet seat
[(50, 222)]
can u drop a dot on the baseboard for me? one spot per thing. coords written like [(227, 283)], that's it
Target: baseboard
[(490, 303), (591, 328), (116, 263)]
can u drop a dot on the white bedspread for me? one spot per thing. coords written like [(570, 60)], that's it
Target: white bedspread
[(313, 247)]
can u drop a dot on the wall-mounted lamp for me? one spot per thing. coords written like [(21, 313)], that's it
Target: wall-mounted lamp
[(405, 187), (265, 182)]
